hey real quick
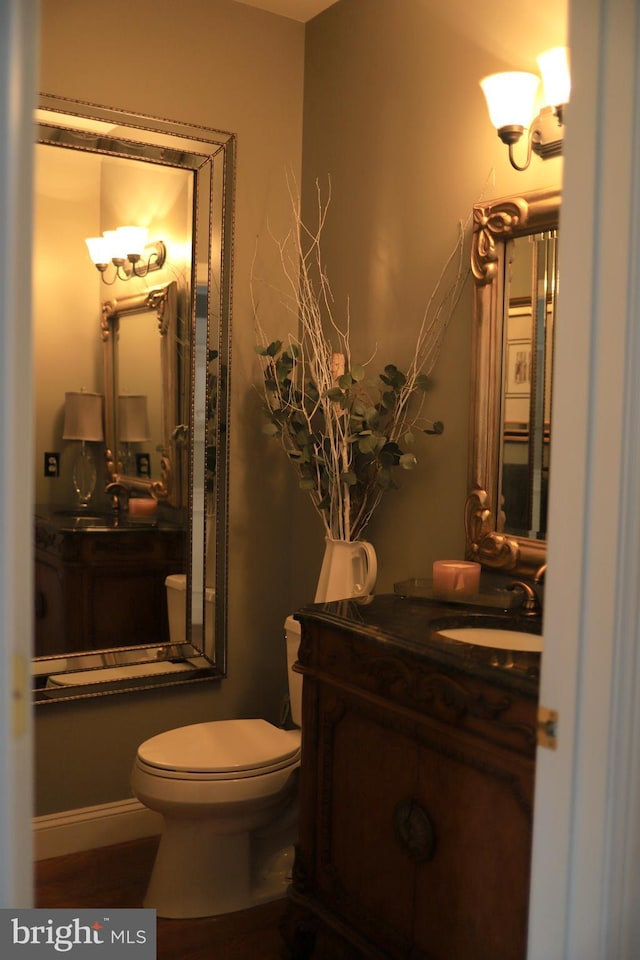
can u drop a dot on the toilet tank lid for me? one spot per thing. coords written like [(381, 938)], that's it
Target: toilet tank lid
[(177, 581), (221, 746)]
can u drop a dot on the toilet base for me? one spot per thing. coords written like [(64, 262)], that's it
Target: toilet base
[(200, 872)]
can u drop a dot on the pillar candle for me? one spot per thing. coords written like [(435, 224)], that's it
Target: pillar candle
[(461, 577)]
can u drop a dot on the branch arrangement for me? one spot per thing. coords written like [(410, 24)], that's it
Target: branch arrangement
[(346, 431)]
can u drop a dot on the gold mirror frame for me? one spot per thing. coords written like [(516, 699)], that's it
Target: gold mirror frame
[(164, 301), (495, 224)]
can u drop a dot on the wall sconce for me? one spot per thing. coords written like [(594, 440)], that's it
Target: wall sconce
[(128, 250), (510, 99)]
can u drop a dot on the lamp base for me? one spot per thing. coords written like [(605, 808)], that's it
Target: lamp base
[(84, 476)]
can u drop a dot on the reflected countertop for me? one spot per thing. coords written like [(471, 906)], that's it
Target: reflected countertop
[(96, 521)]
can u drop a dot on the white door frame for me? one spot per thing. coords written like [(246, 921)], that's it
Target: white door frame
[(586, 858), (18, 73)]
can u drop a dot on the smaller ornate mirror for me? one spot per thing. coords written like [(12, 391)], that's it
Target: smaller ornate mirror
[(515, 267), (126, 418)]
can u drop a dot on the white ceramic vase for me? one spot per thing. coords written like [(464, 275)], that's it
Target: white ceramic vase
[(349, 569)]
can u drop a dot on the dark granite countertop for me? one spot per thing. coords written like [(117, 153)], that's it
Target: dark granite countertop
[(98, 521), (413, 623)]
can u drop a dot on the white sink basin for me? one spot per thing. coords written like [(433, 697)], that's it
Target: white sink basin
[(494, 637)]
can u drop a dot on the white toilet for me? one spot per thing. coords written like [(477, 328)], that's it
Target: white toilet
[(228, 793)]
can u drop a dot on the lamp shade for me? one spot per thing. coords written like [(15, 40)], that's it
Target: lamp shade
[(82, 416), (133, 418), (556, 79), (510, 98)]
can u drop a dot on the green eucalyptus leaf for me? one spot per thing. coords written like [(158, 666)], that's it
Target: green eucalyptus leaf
[(271, 429), (408, 461), (409, 438), (437, 428), (306, 483), (345, 381), (335, 394), (367, 444), (349, 478), (357, 373), (422, 382)]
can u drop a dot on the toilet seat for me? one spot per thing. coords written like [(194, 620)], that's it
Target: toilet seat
[(220, 750)]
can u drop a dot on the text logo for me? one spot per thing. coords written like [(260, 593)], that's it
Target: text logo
[(78, 933)]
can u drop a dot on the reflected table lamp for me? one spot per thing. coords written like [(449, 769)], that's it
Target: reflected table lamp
[(133, 426), (83, 421)]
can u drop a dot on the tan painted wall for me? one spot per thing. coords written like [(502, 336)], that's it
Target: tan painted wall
[(393, 113)]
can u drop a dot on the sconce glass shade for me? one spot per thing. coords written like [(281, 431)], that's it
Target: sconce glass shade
[(132, 240), (114, 245), (556, 79), (133, 424), (83, 416), (99, 249), (510, 98)]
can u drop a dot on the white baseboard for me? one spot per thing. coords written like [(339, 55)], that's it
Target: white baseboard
[(86, 828)]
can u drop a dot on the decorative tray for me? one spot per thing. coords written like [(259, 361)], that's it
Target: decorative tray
[(493, 597)]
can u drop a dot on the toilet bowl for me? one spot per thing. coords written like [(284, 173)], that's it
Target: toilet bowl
[(227, 790)]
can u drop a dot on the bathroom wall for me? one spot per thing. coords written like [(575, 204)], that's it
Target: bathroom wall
[(393, 112)]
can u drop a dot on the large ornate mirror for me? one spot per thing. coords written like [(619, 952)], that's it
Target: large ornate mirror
[(132, 372), (515, 267)]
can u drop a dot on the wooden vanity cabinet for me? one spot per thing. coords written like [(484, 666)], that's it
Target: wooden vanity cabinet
[(98, 589), (416, 807)]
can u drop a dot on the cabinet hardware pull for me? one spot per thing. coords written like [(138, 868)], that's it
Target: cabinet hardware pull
[(414, 830)]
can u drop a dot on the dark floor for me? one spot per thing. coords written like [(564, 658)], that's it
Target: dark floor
[(117, 877)]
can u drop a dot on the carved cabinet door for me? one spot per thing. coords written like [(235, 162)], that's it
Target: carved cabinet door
[(472, 894), (424, 833), (366, 769)]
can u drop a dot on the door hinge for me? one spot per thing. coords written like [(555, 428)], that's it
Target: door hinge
[(19, 704), (547, 728)]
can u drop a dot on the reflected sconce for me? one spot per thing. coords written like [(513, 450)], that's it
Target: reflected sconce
[(128, 251), (510, 100), (133, 425), (83, 421)]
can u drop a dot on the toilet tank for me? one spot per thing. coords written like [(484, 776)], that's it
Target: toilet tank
[(292, 631), (176, 587)]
